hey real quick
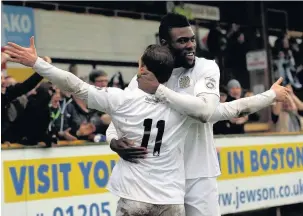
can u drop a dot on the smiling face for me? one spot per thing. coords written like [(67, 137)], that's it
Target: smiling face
[(183, 45)]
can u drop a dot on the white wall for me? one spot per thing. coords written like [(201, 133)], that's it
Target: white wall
[(80, 36), (94, 37)]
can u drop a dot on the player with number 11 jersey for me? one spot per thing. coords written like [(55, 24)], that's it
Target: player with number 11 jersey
[(158, 179)]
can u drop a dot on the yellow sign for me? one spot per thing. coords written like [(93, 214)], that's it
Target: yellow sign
[(260, 160), (36, 179)]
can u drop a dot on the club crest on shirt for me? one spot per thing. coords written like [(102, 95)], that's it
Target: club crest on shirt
[(210, 83), (152, 99), (184, 82)]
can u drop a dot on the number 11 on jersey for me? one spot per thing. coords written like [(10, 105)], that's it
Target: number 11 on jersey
[(147, 130)]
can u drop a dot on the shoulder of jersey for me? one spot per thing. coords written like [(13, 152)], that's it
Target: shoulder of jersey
[(203, 65), (134, 93), (205, 62)]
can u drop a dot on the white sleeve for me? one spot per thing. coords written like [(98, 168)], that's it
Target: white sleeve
[(209, 79), (107, 100), (64, 80), (243, 106), (206, 96), (111, 133), (133, 83)]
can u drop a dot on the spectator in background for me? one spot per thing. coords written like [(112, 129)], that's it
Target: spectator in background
[(216, 43), (297, 101), (79, 122), (98, 78), (11, 93), (17, 106), (284, 62), (235, 92), (117, 81), (235, 56), (297, 51), (37, 114), (73, 68), (223, 94), (285, 117), (55, 113), (222, 127), (235, 125), (99, 119)]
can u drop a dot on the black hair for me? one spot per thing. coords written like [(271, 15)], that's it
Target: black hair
[(159, 60), (95, 74), (170, 21)]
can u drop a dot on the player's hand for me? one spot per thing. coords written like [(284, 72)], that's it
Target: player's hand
[(148, 82), (23, 55), (282, 93), (125, 149), (4, 57)]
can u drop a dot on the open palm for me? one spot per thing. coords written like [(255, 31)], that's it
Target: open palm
[(282, 93), (23, 55)]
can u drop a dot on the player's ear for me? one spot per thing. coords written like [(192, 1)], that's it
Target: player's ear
[(163, 42)]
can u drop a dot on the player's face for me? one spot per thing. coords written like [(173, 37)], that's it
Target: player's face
[(183, 44)]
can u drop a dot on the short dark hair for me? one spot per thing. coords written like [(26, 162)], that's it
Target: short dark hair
[(95, 74), (170, 21), (159, 60)]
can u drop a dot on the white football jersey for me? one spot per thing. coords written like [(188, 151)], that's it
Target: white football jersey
[(200, 157), (138, 116)]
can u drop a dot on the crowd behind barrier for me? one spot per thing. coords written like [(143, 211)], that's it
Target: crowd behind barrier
[(64, 117)]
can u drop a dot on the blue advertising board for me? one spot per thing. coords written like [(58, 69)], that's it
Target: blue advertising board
[(18, 25)]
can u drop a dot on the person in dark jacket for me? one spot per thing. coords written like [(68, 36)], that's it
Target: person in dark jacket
[(32, 127), (8, 94)]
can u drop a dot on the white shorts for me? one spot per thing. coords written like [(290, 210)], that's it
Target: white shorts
[(202, 197), (128, 207)]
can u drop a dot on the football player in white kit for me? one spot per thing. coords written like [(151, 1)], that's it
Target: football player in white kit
[(156, 185), (194, 91)]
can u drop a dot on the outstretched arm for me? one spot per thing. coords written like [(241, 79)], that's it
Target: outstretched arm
[(243, 106), (64, 80), (249, 105), (199, 106), (106, 100)]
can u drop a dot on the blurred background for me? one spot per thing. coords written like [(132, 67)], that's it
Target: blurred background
[(253, 43)]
